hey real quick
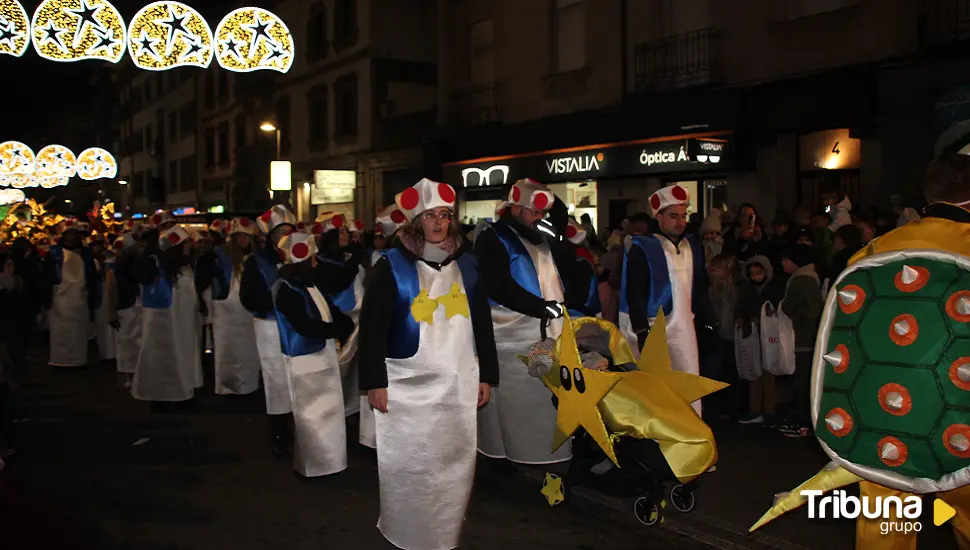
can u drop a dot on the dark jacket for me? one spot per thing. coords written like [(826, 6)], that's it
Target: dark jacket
[(803, 305), (753, 296)]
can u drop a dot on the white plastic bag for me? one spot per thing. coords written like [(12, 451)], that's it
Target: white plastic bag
[(777, 341), (747, 352)]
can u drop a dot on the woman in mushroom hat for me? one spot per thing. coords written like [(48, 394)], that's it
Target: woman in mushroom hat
[(309, 327), (169, 364), (427, 362), (70, 268), (219, 271)]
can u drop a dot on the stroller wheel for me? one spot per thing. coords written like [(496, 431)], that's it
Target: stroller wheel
[(646, 511), (682, 498)]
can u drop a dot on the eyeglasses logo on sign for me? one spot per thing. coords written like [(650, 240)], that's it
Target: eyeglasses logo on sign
[(476, 177), (572, 165), (710, 151)]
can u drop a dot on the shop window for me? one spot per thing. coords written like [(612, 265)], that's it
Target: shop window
[(317, 109), (345, 106), (345, 24), (316, 30), (569, 36), (282, 111), (481, 55), (224, 144)]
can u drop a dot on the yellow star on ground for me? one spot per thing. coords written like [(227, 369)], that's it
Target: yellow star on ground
[(423, 308), (655, 359), (578, 390), (455, 302), (552, 489)]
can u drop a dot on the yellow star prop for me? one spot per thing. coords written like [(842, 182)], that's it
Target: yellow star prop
[(579, 391), (423, 308), (552, 489), (455, 302)]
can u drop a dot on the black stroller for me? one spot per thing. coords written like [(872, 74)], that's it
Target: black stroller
[(643, 475)]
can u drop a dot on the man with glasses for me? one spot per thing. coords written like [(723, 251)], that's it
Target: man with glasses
[(516, 266)]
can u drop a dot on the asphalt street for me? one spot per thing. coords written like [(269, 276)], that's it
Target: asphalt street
[(95, 469)]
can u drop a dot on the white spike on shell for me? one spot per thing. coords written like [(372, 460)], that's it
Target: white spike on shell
[(908, 275), (833, 358), (894, 400), (963, 373), (848, 296), (963, 306), (835, 421), (889, 451), (959, 442), (902, 328)]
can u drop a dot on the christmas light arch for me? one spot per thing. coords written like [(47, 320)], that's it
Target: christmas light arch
[(52, 166)]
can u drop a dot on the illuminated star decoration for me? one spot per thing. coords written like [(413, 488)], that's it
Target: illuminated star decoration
[(50, 33), (55, 161), (164, 35), (423, 308), (14, 28), (96, 163), (254, 39), (74, 30), (146, 44), (455, 302), (106, 40), (16, 158), (85, 15), (579, 391), (176, 27)]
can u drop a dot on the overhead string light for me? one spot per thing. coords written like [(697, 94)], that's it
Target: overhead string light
[(253, 39), (74, 30), (165, 35), (52, 166), (95, 163), (14, 28)]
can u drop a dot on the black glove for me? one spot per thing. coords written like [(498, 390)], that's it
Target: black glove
[(546, 228), (553, 310), (642, 338), (345, 327), (115, 325), (90, 315)]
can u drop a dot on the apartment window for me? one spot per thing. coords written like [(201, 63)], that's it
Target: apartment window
[(188, 173), (345, 23), (210, 92), (345, 105), (147, 139), (173, 131), (316, 29), (223, 84), (147, 92), (210, 147), (187, 122), (481, 56), (282, 110), (240, 124), (317, 111), (569, 36), (224, 144), (173, 177)]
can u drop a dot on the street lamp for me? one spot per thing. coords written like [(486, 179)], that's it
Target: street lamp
[(269, 127)]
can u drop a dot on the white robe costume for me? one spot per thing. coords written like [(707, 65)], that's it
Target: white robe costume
[(237, 367), (104, 333), (69, 317)]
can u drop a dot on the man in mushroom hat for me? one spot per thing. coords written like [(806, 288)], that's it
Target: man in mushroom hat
[(662, 271), (258, 278), (523, 283), (71, 270)]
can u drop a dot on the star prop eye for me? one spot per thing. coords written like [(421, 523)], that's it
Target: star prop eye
[(565, 379), (73, 30), (580, 381), (253, 39), (14, 28), (164, 35)]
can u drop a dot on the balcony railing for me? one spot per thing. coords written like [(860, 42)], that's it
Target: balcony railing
[(475, 106), (681, 61), (943, 22)]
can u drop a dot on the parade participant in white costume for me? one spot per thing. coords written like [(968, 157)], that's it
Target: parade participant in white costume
[(579, 274), (662, 271), (71, 269), (339, 275), (423, 321), (169, 365), (524, 287), (122, 306), (309, 327), (104, 261), (388, 222), (218, 275), (258, 277)]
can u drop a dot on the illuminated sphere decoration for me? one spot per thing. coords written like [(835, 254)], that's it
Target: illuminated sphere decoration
[(96, 163), (74, 30), (16, 158), (253, 39), (11, 196), (14, 28), (56, 160), (164, 35)]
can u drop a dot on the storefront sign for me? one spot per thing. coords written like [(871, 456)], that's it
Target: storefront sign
[(650, 157), (333, 186)]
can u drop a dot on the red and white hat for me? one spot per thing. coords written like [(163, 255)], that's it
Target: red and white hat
[(123, 242), (315, 229), (218, 226), (668, 196), (172, 237), (500, 207), (131, 226), (158, 218), (69, 223), (389, 220), (423, 196), (242, 225), (356, 227), (298, 247), (274, 217), (528, 193), (329, 221), (575, 233), (301, 227)]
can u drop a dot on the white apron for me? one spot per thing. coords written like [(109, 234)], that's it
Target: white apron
[(348, 353), (103, 332), (69, 317), (681, 336), (236, 356), (276, 381), (128, 338), (169, 362), (426, 441), (519, 421), (318, 404)]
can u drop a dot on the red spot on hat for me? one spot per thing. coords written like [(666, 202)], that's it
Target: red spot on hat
[(540, 200), (359, 224), (410, 198), (316, 229), (69, 223), (679, 193), (300, 251), (571, 231), (446, 192), (244, 222), (655, 202), (267, 216), (397, 216), (516, 194), (217, 223), (300, 226), (156, 219), (337, 221), (174, 238)]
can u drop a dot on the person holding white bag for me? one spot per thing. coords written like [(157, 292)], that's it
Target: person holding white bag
[(803, 305)]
